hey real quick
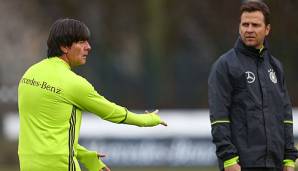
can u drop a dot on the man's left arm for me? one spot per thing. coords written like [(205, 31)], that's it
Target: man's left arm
[(291, 152), (89, 159)]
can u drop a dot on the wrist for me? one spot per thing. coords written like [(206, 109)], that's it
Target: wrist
[(142, 120), (231, 161)]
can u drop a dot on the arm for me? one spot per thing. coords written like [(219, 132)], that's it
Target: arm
[(291, 152), (219, 96), (84, 96), (90, 159)]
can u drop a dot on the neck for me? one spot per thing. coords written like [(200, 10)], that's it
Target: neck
[(260, 47), (65, 58)]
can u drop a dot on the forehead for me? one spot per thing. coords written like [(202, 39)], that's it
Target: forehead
[(256, 17)]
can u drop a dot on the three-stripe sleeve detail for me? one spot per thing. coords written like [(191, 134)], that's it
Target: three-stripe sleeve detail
[(71, 138)]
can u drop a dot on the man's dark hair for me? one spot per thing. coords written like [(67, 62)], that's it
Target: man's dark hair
[(64, 32), (254, 5)]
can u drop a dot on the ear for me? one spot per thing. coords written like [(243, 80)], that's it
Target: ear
[(64, 49), (239, 28), (268, 28)]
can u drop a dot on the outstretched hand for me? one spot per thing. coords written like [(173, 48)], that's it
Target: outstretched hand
[(101, 155), (161, 121)]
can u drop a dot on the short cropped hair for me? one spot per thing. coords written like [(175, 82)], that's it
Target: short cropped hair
[(65, 32), (256, 5)]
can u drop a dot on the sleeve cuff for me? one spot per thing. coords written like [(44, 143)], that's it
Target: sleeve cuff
[(231, 161), (289, 163), (142, 120)]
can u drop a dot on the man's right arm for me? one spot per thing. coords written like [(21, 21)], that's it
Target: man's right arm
[(84, 96), (219, 97)]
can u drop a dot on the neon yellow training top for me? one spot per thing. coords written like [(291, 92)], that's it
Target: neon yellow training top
[(51, 99)]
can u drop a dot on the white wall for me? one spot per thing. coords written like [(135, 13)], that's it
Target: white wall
[(181, 123)]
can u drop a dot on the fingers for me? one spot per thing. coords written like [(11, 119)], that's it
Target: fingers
[(156, 111), (101, 155), (163, 123), (106, 169)]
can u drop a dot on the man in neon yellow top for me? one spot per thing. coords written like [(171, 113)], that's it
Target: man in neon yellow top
[(51, 98)]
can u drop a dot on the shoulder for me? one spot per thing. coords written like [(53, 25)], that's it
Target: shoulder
[(276, 62), (277, 67), (74, 77), (37, 67), (224, 60), (77, 82)]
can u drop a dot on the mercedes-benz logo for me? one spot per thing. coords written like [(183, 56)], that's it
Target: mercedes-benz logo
[(250, 77)]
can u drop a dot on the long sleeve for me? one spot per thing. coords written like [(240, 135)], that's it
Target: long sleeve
[(84, 96), (290, 150), (219, 95), (89, 159)]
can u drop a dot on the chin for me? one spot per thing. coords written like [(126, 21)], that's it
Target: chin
[(83, 61), (250, 44)]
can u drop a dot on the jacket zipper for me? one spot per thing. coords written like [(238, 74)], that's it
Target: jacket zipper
[(259, 61)]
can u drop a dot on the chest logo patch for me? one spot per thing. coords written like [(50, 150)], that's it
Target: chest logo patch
[(272, 76), (250, 77)]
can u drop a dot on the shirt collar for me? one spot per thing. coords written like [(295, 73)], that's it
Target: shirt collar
[(59, 60)]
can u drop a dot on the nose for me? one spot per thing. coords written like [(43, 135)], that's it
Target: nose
[(88, 46), (250, 28)]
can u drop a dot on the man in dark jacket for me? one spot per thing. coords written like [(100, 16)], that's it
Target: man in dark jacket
[(250, 110)]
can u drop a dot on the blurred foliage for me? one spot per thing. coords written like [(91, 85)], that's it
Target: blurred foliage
[(153, 53)]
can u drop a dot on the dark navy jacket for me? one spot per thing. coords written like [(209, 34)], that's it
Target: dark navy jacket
[(250, 110)]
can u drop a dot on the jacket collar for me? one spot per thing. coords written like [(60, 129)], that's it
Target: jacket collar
[(250, 51)]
